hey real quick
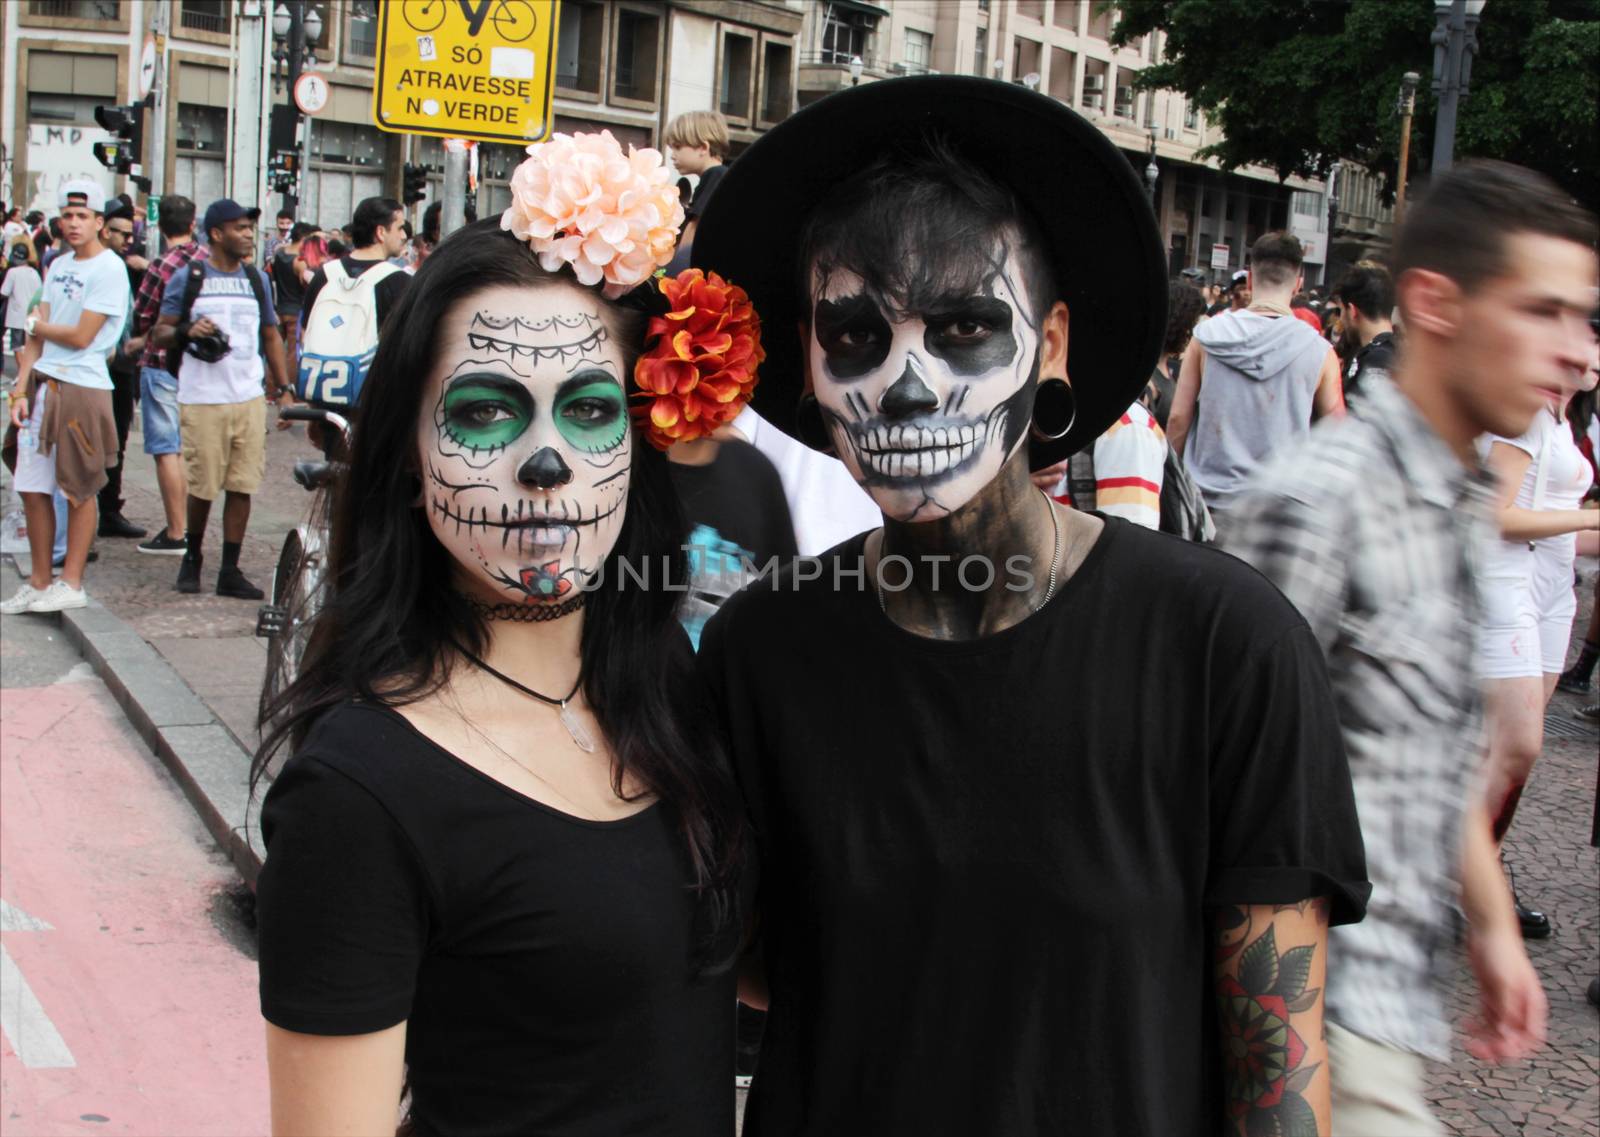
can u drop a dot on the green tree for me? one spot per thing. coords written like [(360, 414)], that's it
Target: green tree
[(1297, 84)]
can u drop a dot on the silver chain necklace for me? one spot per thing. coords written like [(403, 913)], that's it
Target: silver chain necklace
[(1055, 559)]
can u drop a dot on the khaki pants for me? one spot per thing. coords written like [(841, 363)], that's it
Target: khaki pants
[(224, 446), (1377, 1090)]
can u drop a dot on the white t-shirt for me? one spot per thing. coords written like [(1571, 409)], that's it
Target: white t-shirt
[(1130, 463), (1549, 443), (71, 288), (825, 503), (227, 299), (19, 288)]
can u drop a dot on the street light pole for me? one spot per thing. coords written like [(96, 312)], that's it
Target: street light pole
[(1454, 42), (1152, 171), (1333, 218), (1408, 105)]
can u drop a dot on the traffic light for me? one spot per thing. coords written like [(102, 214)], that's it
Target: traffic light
[(416, 184), (284, 168), (124, 151)]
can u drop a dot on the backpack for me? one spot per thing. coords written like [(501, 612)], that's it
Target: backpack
[(339, 335), (191, 292), (1183, 510)]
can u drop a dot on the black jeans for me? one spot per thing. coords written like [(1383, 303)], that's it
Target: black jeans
[(123, 385)]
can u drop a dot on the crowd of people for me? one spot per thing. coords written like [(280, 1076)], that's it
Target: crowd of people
[(202, 338), (1163, 829)]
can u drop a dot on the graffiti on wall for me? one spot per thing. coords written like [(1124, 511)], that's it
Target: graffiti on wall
[(59, 154)]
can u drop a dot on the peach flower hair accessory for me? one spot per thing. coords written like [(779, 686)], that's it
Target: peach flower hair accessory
[(699, 367), (578, 200)]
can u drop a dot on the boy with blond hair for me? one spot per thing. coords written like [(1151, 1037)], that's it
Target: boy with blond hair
[(698, 143)]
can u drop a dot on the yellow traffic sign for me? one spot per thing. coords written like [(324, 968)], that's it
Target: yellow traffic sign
[(482, 69)]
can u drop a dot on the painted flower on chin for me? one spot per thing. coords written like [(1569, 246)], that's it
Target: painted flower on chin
[(701, 369)]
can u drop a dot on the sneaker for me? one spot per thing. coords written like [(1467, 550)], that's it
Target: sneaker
[(58, 598), (21, 600), (113, 524), (232, 582), (163, 546), (188, 574)]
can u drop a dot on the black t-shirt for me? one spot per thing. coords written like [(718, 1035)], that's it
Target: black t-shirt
[(543, 961), (987, 864), (386, 295), (291, 292), (1377, 355), (737, 514), (703, 190)]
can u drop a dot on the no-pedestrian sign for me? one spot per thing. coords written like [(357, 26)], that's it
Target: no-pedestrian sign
[(482, 69)]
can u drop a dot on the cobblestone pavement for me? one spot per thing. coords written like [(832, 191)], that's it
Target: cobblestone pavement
[(1557, 1092)]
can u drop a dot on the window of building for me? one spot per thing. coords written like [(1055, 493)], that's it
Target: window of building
[(638, 44), (980, 52), (777, 78), (1061, 77), (205, 15), (495, 166), (65, 110), (1025, 58), (1100, 21), (581, 46), (361, 30), (1065, 15), (1191, 116), (738, 52), (1031, 9), (918, 51), (202, 128), (76, 9), (347, 144), (845, 34)]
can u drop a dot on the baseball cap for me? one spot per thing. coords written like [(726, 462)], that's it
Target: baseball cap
[(224, 211), (1239, 278), (92, 193)]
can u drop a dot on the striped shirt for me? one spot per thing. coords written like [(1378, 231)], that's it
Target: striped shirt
[(1372, 529), (1129, 461)]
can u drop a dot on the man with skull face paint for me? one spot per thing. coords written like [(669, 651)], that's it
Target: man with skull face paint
[(1052, 811)]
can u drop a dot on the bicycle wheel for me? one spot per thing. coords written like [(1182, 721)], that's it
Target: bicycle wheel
[(295, 583), (422, 15), (514, 20)]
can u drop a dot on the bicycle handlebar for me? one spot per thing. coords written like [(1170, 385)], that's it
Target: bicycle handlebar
[(315, 414)]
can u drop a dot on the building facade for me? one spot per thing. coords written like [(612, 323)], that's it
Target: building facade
[(1062, 48), (627, 66)]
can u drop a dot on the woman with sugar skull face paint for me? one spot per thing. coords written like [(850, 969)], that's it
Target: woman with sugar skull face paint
[(1032, 787), (503, 860)]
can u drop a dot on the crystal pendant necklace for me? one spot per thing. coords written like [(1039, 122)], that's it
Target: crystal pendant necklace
[(569, 719)]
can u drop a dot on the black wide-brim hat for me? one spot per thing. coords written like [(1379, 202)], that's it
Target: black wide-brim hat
[(1085, 199)]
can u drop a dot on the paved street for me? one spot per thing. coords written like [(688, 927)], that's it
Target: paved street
[(129, 982)]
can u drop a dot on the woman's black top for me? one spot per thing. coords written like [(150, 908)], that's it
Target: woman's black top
[(542, 962), (290, 288)]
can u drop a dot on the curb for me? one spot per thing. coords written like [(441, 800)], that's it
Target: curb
[(207, 762)]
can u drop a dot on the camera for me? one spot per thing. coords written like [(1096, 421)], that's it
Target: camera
[(209, 348)]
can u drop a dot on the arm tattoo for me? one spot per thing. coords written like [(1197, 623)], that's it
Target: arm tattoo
[(1263, 996)]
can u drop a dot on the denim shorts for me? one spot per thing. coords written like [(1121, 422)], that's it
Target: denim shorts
[(158, 411)]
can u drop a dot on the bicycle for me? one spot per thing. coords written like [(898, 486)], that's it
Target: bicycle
[(513, 20), (286, 620)]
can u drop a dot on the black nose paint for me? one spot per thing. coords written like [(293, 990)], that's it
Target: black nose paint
[(545, 470), (908, 396)]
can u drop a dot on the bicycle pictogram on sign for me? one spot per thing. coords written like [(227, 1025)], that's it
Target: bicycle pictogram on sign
[(512, 20)]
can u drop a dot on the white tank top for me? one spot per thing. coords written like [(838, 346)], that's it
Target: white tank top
[(1566, 477)]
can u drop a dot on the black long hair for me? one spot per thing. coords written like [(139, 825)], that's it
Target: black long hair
[(388, 623)]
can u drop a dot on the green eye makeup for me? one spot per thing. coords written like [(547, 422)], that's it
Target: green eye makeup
[(485, 413), (590, 414)]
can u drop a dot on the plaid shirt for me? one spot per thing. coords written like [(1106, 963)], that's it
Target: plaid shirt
[(1372, 529), (147, 305)]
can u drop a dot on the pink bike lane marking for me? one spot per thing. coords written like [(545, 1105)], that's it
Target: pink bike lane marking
[(109, 882)]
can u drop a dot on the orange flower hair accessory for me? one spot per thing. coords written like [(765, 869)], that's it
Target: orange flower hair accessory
[(579, 200), (699, 368)]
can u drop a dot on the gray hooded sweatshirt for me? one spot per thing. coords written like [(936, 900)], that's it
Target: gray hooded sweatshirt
[(1256, 394)]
